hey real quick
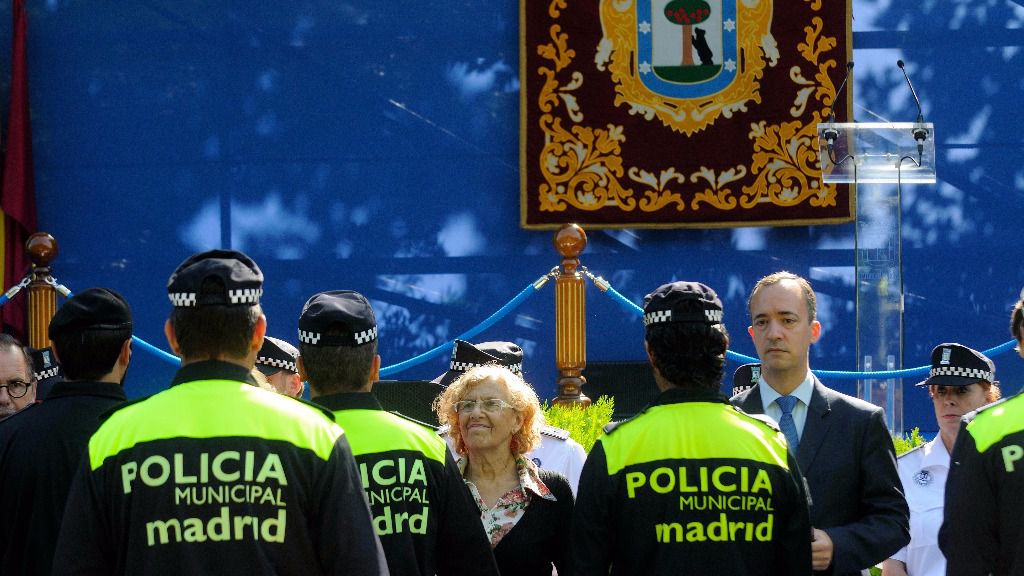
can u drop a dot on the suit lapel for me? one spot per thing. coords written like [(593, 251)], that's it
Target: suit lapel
[(815, 427)]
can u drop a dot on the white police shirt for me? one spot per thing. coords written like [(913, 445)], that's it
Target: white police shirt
[(923, 472), (557, 452)]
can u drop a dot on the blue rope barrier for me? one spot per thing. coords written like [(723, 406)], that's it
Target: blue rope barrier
[(156, 351), (833, 374), (447, 346), (626, 303)]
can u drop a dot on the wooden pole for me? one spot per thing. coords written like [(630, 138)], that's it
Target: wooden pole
[(42, 296), (570, 317)]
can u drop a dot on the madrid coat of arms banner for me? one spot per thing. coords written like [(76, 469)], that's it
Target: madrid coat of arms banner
[(680, 113)]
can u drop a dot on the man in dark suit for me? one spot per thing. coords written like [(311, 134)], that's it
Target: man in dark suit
[(858, 512)]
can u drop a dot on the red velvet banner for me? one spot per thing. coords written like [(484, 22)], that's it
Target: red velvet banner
[(680, 113)]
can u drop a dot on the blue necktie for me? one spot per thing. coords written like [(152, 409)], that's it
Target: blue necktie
[(787, 403)]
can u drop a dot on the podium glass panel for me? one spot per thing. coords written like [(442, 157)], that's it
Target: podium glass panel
[(878, 158), (877, 152)]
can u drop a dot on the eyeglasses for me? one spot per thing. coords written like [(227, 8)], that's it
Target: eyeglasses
[(16, 388), (489, 405)]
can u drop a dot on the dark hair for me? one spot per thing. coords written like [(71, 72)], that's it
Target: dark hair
[(333, 369), (1017, 320), (89, 354), (809, 297), (8, 341), (214, 330), (687, 354)]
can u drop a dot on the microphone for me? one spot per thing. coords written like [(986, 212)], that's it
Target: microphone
[(830, 133), (920, 134)]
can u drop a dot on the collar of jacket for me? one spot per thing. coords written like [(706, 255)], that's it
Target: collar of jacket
[(677, 395), (212, 370), (87, 388), (349, 401)]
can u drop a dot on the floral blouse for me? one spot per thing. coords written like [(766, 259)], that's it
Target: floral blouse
[(510, 507)]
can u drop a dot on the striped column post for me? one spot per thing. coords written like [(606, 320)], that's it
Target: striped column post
[(42, 296), (570, 318)]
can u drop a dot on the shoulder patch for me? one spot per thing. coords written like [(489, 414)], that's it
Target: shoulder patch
[(555, 432), (415, 421)]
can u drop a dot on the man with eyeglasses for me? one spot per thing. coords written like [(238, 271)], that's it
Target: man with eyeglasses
[(41, 447), (17, 386), (422, 512)]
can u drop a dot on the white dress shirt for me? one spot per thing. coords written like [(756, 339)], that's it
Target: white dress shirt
[(803, 394), (923, 472)]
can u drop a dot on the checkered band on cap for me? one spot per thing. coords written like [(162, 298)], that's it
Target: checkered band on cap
[(365, 336), (282, 364), (182, 299), (245, 296), (309, 337), (973, 373), (48, 373), (516, 369), (658, 316)]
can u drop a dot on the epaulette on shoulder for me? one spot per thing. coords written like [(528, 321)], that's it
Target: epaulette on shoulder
[(766, 420), (111, 411), (555, 432), (613, 426), (911, 451), (762, 418), (325, 411), (442, 430), (415, 421), (970, 416)]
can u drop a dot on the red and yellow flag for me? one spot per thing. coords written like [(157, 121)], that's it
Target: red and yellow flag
[(18, 197)]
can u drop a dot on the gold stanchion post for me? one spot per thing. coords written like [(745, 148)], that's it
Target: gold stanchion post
[(570, 319), (42, 296)]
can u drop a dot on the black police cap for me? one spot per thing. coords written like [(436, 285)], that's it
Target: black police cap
[(92, 309), (240, 276), (276, 355), (688, 302), (337, 318), (745, 377), (957, 365), (466, 356)]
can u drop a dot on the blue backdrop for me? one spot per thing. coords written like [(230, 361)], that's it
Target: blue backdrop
[(374, 146)]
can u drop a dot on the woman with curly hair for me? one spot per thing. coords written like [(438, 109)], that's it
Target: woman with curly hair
[(494, 419)]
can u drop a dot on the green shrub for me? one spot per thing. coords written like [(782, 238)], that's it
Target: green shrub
[(585, 425), (905, 443)]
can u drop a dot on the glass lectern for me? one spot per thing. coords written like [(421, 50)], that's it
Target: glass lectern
[(878, 158)]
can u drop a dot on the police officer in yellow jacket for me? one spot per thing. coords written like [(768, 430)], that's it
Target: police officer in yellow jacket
[(422, 511), (982, 530), (215, 475), (691, 484)]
